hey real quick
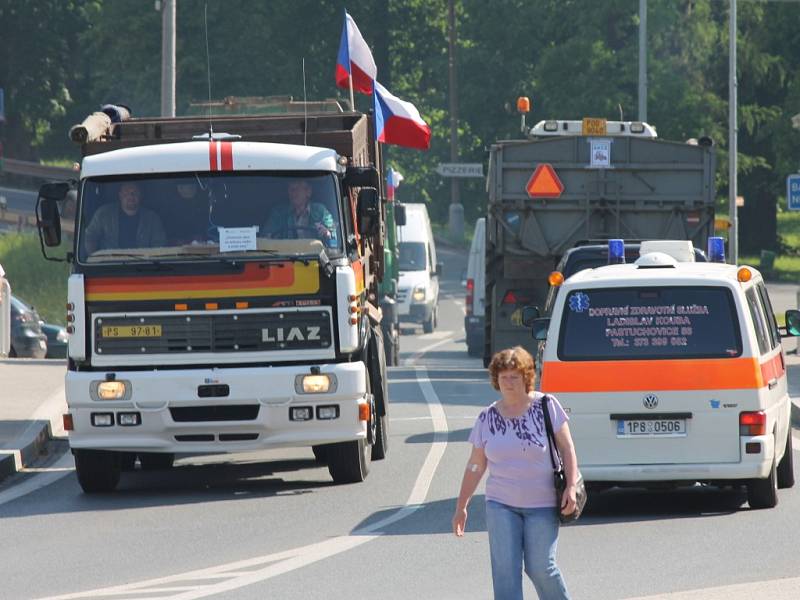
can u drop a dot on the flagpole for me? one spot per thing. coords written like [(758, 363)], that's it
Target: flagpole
[(352, 100)]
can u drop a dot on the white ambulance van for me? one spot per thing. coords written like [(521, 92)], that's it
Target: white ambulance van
[(672, 373), (418, 287)]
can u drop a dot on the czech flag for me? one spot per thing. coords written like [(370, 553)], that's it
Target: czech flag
[(398, 122), (354, 57), (393, 179)]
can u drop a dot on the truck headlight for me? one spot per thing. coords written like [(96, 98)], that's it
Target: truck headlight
[(315, 383), (110, 390), (419, 294)]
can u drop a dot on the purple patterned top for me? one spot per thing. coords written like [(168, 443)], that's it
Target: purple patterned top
[(520, 471)]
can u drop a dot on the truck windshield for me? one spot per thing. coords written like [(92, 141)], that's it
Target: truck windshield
[(412, 256), (195, 215), (649, 323)]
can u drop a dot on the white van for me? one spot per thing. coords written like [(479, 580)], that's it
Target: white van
[(672, 373), (474, 319), (418, 288)]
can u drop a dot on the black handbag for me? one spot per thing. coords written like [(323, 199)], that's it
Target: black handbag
[(559, 477)]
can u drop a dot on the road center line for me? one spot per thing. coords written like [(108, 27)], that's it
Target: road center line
[(262, 568)]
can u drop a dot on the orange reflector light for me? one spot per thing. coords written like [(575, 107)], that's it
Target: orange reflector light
[(753, 423), (352, 297), (212, 306), (181, 307), (744, 274), (363, 412), (242, 305), (68, 424), (353, 320), (556, 278), (353, 309), (523, 104)]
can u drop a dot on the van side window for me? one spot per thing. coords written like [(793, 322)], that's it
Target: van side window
[(759, 322), (771, 322)]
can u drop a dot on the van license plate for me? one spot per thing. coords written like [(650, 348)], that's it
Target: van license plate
[(651, 428)]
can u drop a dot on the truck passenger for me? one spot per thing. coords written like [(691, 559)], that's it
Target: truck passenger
[(124, 225), (301, 218)]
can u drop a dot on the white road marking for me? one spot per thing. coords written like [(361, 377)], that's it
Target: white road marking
[(775, 589), (242, 573), (409, 362)]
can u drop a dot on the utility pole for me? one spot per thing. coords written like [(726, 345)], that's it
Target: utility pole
[(456, 216), (167, 56), (643, 60), (733, 231)]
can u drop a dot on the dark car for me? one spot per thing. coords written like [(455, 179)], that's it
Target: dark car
[(27, 338), (56, 340), (591, 254)]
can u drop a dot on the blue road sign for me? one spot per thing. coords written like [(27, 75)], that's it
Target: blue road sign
[(793, 192)]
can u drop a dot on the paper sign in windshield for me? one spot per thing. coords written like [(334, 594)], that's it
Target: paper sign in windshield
[(237, 239)]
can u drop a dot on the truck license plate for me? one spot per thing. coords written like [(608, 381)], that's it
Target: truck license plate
[(651, 428), (131, 331)]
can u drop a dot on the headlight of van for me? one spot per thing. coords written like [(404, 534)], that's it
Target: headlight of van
[(419, 294)]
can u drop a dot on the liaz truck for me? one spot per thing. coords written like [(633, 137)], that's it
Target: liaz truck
[(570, 182), (224, 290)]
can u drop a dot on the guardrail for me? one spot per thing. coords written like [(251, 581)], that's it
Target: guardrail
[(32, 169)]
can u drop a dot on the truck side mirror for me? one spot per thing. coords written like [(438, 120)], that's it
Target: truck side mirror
[(369, 210), (48, 219), (400, 214), (529, 314), (539, 329), (439, 268), (357, 177)]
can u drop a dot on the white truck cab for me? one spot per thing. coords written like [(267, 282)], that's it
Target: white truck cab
[(672, 372)]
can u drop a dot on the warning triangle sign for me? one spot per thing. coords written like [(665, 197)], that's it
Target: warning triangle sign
[(544, 183)]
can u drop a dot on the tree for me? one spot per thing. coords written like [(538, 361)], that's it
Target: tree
[(37, 42)]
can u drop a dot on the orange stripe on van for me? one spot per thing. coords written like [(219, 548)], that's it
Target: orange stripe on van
[(651, 375)]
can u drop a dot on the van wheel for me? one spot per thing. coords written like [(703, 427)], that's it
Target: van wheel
[(156, 461), (348, 462), (763, 493), (786, 466), (427, 326), (98, 470)]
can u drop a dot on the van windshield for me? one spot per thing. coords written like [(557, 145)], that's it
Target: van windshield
[(648, 323), (412, 256)]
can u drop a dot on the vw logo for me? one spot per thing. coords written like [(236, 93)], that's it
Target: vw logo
[(650, 401)]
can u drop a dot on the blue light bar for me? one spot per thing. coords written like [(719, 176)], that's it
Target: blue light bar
[(616, 252), (716, 250)]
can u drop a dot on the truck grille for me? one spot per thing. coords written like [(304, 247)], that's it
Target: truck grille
[(217, 332)]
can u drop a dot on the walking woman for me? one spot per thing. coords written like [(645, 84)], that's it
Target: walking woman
[(509, 438)]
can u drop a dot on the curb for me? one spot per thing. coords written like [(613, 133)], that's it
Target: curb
[(45, 425)]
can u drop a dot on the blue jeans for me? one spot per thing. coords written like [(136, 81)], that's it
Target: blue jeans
[(526, 536)]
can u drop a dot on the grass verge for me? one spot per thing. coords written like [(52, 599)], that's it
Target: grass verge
[(33, 279)]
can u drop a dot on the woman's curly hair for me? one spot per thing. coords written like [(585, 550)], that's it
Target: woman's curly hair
[(517, 359)]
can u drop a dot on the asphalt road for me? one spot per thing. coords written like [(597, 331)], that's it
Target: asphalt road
[(271, 524)]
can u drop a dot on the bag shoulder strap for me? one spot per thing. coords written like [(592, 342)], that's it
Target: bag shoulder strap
[(555, 458)]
